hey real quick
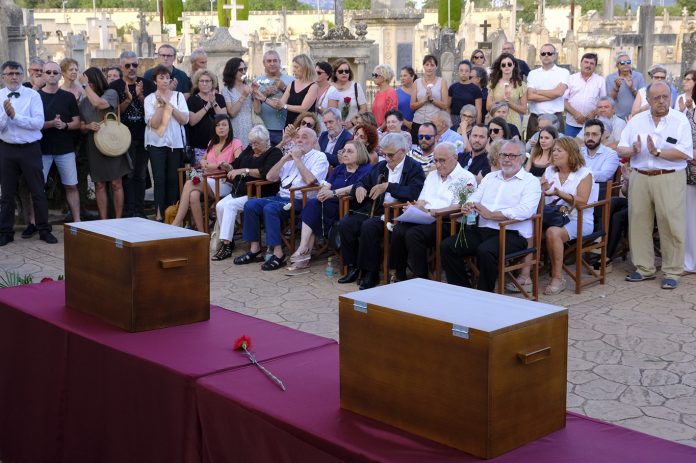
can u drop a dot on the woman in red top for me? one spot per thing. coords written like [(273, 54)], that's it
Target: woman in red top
[(223, 148), (386, 98)]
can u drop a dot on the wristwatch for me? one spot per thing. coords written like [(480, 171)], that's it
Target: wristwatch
[(247, 171), (659, 152), (285, 107)]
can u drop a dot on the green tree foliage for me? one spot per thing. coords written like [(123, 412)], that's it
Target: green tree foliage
[(455, 13), (172, 10), (266, 5), (197, 5), (356, 4), (689, 4)]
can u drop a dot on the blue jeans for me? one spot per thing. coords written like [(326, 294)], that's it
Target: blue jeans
[(273, 213), (572, 131)]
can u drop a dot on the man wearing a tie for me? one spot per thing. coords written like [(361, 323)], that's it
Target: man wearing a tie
[(21, 120)]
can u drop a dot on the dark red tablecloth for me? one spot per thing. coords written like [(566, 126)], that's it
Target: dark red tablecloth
[(73, 386), (244, 417)]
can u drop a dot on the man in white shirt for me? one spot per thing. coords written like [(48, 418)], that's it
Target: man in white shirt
[(510, 193), (300, 167), (585, 88), (605, 108), (21, 121), (659, 144), (545, 89), (411, 241)]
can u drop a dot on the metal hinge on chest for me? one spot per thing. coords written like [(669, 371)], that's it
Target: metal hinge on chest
[(360, 306), (460, 331)]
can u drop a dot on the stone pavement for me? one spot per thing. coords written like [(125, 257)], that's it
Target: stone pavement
[(631, 352)]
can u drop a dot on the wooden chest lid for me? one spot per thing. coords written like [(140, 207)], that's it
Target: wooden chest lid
[(480, 310), (132, 230)]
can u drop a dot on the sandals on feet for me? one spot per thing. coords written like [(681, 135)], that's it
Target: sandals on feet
[(247, 258), (552, 289), (225, 251), (526, 285), (274, 263), (300, 257), (298, 268)]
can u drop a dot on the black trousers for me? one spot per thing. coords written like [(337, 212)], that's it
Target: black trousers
[(16, 160), (361, 239), (136, 180), (618, 224), (165, 164), (409, 246), (480, 242)]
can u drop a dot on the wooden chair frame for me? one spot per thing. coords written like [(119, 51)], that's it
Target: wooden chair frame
[(215, 174), (585, 244)]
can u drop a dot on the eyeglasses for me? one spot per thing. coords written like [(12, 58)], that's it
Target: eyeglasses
[(162, 55), (495, 131), (12, 74), (467, 116), (131, 65), (426, 137), (624, 62), (309, 124), (204, 81), (37, 71), (547, 53), (52, 73), (242, 70), (375, 75), (390, 155), (659, 77), (439, 161), (343, 71), (507, 65), (510, 156)]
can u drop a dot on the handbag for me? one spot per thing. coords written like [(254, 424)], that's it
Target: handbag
[(334, 237), (690, 174), (189, 156), (113, 138), (170, 213), (555, 215)]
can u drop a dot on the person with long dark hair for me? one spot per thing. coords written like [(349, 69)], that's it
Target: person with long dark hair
[(98, 100), (498, 128), (223, 148), (407, 77), (238, 97), (507, 86)]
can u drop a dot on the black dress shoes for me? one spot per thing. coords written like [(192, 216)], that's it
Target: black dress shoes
[(369, 280), (29, 231), (351, 276), (6, 239), (48, 237)]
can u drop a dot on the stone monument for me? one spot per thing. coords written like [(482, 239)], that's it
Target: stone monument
[(448, 54), (13, 39), (220, 48), (144, 44)]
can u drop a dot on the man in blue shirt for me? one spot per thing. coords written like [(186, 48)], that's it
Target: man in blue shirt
[(166, 55), (624, 84)]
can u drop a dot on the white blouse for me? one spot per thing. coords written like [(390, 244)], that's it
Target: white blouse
[(172, 137), (571, 187)]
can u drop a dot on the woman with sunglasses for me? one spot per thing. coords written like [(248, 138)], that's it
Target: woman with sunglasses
[(507, 86), (346, 95), (385, 97), (222, 149), (321, 213), (238, 97), (407, 78), (464, 93), (657, 73), (498, 128), (305, 119), (430, 95), (204, 105), (478, 58), (501, 109), (301, 94), (324, 73), (96, 102)]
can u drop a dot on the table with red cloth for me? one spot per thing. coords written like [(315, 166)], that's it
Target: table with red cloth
[(73, 388), (244, 417)]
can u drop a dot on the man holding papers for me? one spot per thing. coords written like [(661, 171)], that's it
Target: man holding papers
[(415, 232)]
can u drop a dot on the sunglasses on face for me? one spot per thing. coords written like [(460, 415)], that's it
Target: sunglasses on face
[(478, 57), (320, 72), (624, 62), (343, 71), (52, 73), (506, 65), (309, 124), (546, 53), (375, 75), (242, 70), (131, 65), (426, 137), (495, 131)]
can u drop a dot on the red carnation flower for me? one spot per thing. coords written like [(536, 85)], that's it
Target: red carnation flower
[(243, 342), (346, 100), (45, 279), (196, 180)]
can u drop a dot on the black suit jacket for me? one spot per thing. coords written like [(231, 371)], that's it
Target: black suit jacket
[(343, 137), (408, 188)]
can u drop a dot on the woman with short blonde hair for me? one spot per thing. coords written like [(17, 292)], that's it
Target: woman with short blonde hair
[(386, 98)]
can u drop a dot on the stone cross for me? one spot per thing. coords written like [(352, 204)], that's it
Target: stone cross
[(234, 6), (104, 39), (338, 13), (186, 33), (485, 27), (500, 21)]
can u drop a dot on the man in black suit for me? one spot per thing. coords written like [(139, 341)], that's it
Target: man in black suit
[(400, 179), (335, 137)]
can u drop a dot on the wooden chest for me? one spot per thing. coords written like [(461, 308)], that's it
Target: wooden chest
[(478, 371), (137, 274)]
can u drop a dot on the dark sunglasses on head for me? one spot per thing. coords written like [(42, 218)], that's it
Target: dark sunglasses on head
[(496, 131), (343, 71), (131, 65), (307, 124), (427, 137), (628, 61), (52, 73), (506, 65), (546, 53)]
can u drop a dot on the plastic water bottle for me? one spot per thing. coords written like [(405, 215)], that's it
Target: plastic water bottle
[(471, 218), (329, 268), (269, 254)]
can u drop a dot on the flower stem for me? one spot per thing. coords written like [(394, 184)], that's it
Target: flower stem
[(274, 378)]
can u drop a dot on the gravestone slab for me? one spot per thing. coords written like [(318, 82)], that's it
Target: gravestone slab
[(404, 55)]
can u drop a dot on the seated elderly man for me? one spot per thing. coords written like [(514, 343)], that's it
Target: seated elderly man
[(334, 138), (398, 178), (302, 166), (605, 109), (443, 123), (411, 241), (510, 193)]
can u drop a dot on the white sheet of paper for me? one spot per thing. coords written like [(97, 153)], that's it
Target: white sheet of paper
[(415, 215)]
